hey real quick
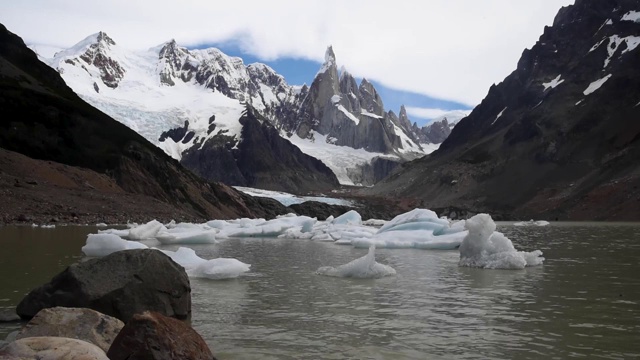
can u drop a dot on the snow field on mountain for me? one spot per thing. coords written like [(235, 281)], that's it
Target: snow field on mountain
[(146, 105), (287, 199), (478, 242), (338, 158)]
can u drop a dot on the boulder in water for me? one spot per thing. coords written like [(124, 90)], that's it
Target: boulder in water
[(52, 348), (120, 285), (75, 323), (153, 336)]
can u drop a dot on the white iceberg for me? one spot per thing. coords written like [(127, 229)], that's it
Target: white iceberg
[(145, 231), (532, 223), (183, 235), (419, 228), (485, 248), (351, 217), (99, 245), (217, 269), (365, 267)]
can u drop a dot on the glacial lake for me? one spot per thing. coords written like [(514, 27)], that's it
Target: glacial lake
[(584, 302)]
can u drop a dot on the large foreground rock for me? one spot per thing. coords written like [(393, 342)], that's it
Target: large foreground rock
[(75, 323), (120, 285), (152, 336), (52, 348)]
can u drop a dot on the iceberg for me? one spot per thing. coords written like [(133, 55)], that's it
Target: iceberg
[(216, 269), (420, 229), (532, 223), (185, 235), (145, 231), (485, 248), (365, 267), (351, 217), (98, 245)]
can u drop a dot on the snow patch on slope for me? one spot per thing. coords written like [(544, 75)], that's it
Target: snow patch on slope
[(553, 83), (631, 16), (498, 116), (596, 85)]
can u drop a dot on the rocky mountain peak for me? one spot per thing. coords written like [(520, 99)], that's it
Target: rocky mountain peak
[(329, 56), (173, 63), (102, 37), (370, 99), (99, 55), (404, 118)]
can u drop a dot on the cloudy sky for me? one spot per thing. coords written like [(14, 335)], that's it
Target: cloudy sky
[(430, 55)]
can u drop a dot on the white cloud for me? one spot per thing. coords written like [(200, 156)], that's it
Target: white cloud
[(431, 113), (441, 48)]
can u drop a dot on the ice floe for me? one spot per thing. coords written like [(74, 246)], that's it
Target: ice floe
[(365, 267), (418, 228), (483, 247), (217, 269), (532, 223), (99, 245)]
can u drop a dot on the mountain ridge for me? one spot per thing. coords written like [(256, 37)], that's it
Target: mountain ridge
[(177, 84), (557, 138)]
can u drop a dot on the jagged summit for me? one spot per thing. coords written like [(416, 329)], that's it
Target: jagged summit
[(102, 37), (329, 56)]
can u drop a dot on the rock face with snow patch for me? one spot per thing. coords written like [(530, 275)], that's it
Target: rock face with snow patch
[(260, 158), (351, 115), (558, 138)]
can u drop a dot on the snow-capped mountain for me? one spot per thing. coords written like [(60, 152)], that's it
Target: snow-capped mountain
[(438, 129), (169, 90), (558, 138)]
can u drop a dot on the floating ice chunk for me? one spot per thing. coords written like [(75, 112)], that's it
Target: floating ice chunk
[(416, 219), (349, 218), (418, 228), (48, 226), (294, 225), (99, 245), (121, 233), (217, 224), (187, 237), (485, 248), (101, 225), (532, 223), (365, 267), (145, 231), (220, 268), (374, 222), (34, 225)]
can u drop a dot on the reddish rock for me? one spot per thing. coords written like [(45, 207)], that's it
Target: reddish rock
[(153, 336)]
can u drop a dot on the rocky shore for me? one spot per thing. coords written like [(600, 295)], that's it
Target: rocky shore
[(133, 304)]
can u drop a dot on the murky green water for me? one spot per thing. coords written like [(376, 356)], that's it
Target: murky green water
[(583, 303)]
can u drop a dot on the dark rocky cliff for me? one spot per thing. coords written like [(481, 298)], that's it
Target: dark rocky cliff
[(558, 138), (262, 158)]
